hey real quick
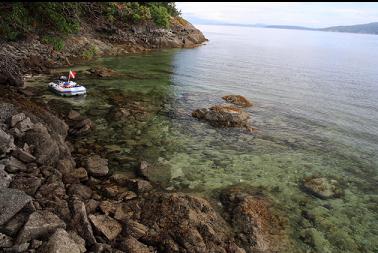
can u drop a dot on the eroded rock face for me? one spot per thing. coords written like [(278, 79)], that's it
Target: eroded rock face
[(323, 188), (223, 116), (257, 227), (237, 100)]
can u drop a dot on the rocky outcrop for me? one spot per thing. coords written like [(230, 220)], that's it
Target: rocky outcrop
[(237, 100), (62, 203), (98, 38), (10, 70), (223, 116)]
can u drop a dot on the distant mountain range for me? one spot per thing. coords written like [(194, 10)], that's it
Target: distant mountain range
[(370, 28)]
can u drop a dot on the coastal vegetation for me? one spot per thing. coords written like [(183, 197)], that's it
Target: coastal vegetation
[(20, 19)]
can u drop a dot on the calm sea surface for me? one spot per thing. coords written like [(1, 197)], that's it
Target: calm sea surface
[(315, 98)]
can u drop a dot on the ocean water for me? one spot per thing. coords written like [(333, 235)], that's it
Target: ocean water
[(315, 97)]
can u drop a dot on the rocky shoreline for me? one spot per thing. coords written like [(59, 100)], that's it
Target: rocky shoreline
[(53, 199), (98, 39)]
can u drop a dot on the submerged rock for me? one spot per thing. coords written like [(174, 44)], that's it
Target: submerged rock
[(139, 185), (103, 72), (237, 100), (182, 223), (97, 166), (258, 227), (223, 116), (323, 188), (72, 115)]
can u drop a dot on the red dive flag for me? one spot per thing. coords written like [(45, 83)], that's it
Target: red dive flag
[(72, 74)]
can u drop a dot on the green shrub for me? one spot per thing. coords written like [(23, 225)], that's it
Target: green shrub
[(18, 19), (89, 53), (160, 15), (56, 42)]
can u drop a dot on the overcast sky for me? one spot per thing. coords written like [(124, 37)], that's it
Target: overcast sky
[(303, 14)]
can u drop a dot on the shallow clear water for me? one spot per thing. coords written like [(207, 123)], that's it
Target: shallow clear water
[(315, 98)]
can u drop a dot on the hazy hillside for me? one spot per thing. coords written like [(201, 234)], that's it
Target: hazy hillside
[(363, 28)]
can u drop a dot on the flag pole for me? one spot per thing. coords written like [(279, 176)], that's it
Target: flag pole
[(69, 75)]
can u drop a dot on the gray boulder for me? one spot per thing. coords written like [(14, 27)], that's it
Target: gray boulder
[(40, 224), (81, 223), (14, 225), (23, 155), (6, 142), (139, 185), (24, 125), (132, 245), (17, 118), (5, 179), (60, 242), (108, 226), (5, 241), (80, 190), (11, 202), (28, 184), (13, 165), (46, 148)]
